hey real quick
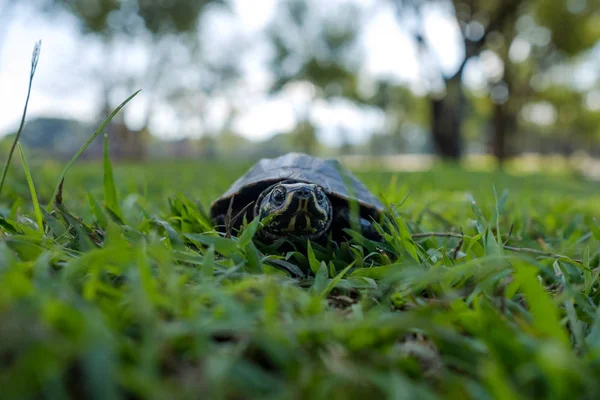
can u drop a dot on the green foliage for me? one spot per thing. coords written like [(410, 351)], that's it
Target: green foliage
[(138, 296), (158, 18), (575, 27)]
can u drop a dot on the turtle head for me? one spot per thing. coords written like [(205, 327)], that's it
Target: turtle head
[(294, 209)]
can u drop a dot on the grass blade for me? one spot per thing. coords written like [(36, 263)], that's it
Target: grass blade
[(315, 265), (110, 192), (34, 61), (98, 211), (546, 315), (36, 205), (333, 282), (85, 146)]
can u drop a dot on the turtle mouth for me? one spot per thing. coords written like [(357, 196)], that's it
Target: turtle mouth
[(301, 222)]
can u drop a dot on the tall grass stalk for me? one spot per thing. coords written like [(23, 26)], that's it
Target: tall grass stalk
[(34, 61), (85, 146)]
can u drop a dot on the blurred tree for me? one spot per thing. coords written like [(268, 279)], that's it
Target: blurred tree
[(556, 29), (304, 137), (315, 48), (558, 120), (539, 36), (478, 21), (346, 146), (166, 31), (404, 111), (208, 147), (574, 24), (59, 137)]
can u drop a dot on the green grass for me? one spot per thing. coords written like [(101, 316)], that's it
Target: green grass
[(128, 293)]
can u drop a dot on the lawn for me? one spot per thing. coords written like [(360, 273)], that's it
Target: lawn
[(485, 287)]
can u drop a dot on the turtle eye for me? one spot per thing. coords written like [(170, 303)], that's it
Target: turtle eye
[(278, 196), (320, 196)]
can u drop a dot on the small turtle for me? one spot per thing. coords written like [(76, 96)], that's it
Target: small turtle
[(305, 197)]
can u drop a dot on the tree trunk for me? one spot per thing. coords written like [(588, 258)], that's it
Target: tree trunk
[(499, 134), (505, 124), (446, 117)]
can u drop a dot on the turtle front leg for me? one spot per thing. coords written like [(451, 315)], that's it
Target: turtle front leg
[(366, 226), (219, 223), (368, 230)]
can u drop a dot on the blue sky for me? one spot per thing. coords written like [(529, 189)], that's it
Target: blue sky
[(60, 89)]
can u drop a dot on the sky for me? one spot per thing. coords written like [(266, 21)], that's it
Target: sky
[(60, 90)]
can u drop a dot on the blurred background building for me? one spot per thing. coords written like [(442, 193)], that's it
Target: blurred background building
[(260, 77)]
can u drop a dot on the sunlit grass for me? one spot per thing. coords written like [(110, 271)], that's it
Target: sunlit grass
[(140, 298)]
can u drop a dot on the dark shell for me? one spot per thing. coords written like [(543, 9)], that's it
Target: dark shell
[(328, 173)]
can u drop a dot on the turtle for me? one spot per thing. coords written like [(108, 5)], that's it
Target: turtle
[(303, 197)]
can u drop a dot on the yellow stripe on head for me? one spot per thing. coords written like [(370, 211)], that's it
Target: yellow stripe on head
[(292, 224)]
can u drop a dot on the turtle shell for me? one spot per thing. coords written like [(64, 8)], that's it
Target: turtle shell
[(337, 181)]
